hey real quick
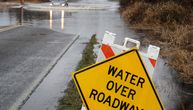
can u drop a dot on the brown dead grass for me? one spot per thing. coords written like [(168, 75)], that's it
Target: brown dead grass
[(183, 61), (135, 13), (169, 25), (165, 14)]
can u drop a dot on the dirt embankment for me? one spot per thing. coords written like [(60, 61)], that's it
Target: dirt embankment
[(169, 24)]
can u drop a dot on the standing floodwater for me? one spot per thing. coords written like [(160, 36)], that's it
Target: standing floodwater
[(84, 23)]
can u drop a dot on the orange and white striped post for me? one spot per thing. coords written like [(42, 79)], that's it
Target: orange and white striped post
[(109, 49)]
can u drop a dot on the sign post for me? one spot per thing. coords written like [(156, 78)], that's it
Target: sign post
[(120, 82)]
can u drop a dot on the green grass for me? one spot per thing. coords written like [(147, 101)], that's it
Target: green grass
[(71, 99)]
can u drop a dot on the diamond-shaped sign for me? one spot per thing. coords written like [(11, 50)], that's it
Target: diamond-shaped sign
[(120, 83)]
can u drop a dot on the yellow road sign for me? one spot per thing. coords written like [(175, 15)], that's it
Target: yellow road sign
[(121, 82)]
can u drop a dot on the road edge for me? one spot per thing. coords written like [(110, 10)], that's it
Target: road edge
[(27, 93), (9, 28)]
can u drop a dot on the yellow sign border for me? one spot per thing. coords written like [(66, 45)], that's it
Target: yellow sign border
[(92, 66)]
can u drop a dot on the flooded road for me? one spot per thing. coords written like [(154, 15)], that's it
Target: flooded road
[(82, 22), (85, 23)]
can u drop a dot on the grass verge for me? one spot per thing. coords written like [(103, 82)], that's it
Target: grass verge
[(71, 99)]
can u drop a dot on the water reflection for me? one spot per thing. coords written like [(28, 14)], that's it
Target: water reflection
[(21, 16), (7, 18), (53, 19), (50, 19), (62, 20)]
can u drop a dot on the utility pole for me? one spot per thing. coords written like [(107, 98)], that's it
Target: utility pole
[(22, 2)]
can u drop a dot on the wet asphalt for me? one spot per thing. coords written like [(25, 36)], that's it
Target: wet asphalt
[(26, 55), (52, 88)]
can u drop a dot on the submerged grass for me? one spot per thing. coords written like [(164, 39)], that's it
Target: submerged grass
[(71, 99)]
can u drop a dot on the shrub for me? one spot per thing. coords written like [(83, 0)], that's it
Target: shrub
[(185, 3), (124, 3), (169, 23), (183, 60), (180, 42), (135, 13), (166, 13), (180, 37)]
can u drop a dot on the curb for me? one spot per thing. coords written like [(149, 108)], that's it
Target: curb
[(9, 28), (26, 95), (70, 8)]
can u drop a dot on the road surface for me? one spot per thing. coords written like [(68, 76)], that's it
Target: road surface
[(26, 55)]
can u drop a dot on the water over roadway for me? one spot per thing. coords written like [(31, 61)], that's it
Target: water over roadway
[(85, 23)]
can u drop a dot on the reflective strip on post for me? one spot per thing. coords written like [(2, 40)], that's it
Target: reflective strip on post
[(107, 51)]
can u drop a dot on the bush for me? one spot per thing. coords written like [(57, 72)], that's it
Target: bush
[(169, 23), (185, 3), (124, 3), (135, 13), (180, 37), (183, 60), (166, 13)]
